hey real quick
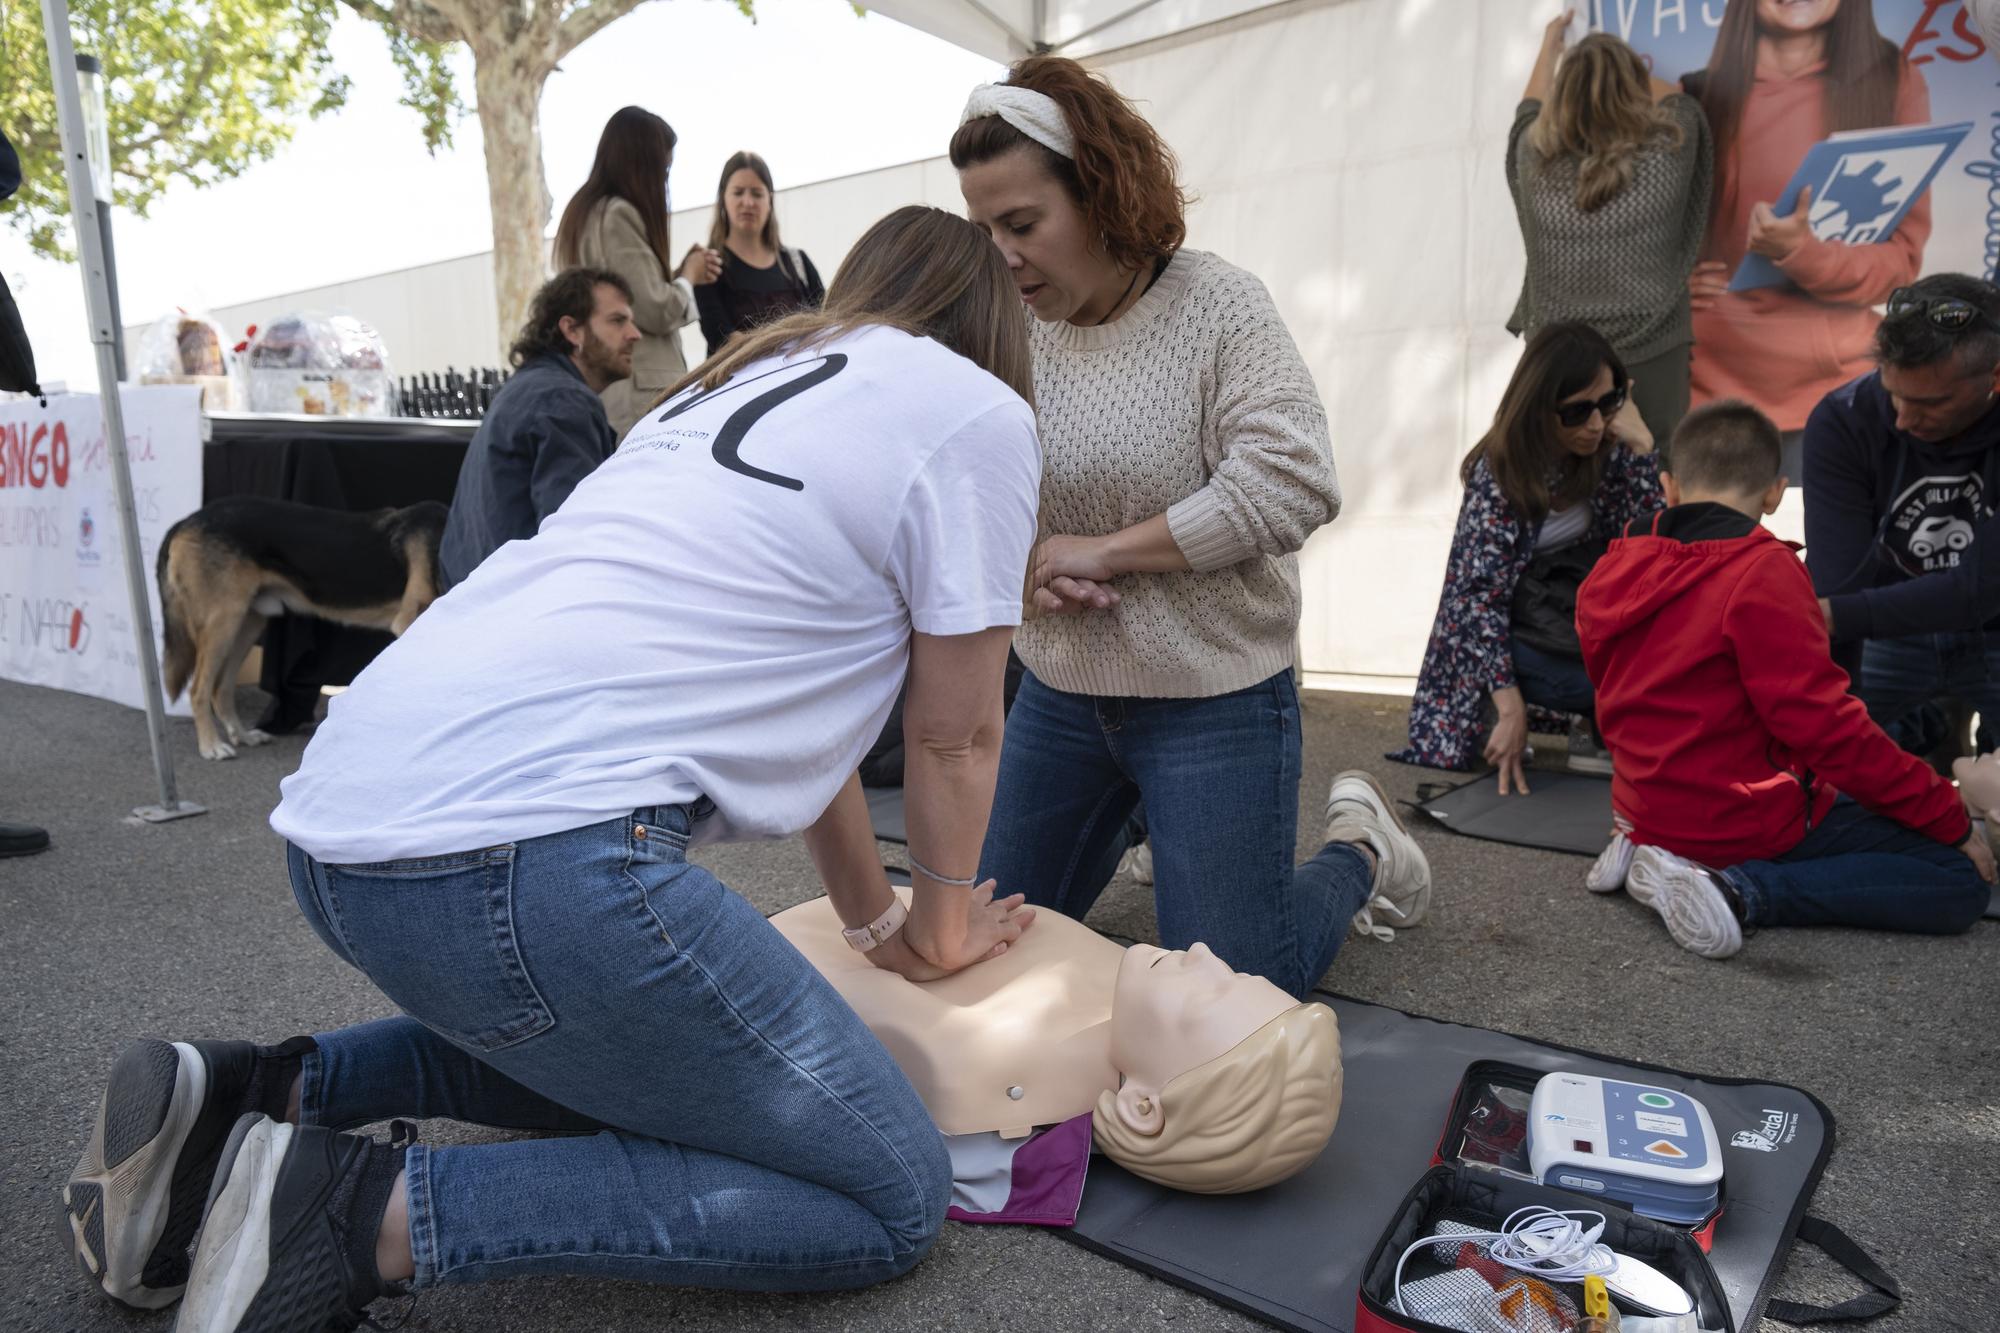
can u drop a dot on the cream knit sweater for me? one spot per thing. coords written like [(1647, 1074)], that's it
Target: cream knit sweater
[(1196, 403)]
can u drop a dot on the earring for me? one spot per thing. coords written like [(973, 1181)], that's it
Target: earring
[(1145, 1106)]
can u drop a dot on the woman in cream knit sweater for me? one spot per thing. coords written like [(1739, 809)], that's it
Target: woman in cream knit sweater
[(1185, 460)]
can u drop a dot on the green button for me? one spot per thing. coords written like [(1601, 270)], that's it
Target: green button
[(1655, 1099)]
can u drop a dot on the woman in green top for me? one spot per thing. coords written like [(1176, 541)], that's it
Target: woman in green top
[(1610, 170)]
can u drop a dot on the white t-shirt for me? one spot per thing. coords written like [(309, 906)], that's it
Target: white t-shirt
[(722, 609), (1563, 526)]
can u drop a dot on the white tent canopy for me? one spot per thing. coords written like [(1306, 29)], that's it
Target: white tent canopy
[(1006, 30)]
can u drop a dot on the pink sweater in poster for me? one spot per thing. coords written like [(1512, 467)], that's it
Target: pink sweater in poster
[(1783, 348)]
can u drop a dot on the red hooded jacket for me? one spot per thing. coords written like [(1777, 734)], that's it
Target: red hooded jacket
[(1729, 726)]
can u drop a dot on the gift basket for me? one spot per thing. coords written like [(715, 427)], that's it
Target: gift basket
[(184, 347), (319, 365)]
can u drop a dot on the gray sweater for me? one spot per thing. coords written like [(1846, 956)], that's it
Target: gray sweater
[(1622, 269)]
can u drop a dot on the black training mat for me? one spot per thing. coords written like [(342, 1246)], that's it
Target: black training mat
[(1292, 1254), (1993, 905), (1562, 812), (885, 813)]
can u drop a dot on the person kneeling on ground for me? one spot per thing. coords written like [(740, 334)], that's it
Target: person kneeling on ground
[(1731, 729), (1565, 465), (493, 824)]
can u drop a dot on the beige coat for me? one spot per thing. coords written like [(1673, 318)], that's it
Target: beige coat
[(614, 237)]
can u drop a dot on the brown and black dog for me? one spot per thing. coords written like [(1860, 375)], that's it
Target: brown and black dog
[(231, 565)]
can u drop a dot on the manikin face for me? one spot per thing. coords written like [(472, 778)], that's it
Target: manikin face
[(605, 352), (1172, 1012), (1583, 441), (1937, 401), (1784, 18), (1039, 229), (748, 202)]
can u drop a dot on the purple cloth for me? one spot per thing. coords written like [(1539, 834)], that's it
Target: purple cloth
[(1046, 1185)]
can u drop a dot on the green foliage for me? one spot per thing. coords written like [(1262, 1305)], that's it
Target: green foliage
[(196, 91), (428, 89)]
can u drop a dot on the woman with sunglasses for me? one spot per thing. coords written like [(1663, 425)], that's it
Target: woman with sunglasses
[(1564, 467)]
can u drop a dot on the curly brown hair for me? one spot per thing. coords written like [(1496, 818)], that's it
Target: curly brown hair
[(1124, 177)]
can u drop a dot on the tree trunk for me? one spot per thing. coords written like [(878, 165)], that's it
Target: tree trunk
[(508, 85)]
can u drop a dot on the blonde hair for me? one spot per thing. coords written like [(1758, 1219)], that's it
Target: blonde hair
[(1257, 1114), (1601, 113), (927, 272)]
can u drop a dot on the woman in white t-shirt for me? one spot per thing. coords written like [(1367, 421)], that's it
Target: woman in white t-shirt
[(492, 825)]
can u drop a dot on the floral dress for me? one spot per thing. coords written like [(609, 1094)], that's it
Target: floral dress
[(1471, 648)]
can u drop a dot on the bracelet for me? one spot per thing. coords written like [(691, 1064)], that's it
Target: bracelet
[(930, 874), (863, 938)]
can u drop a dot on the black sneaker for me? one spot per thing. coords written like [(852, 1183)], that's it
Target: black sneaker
[(135, 1198), (288, 1241)]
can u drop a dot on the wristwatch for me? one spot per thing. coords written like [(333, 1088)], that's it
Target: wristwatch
[(863, 938)]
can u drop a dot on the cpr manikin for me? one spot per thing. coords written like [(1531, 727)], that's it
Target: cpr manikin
[(1200, 1078)]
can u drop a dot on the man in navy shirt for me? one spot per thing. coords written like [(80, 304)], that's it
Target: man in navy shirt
[(546, 429), (1902, 489)]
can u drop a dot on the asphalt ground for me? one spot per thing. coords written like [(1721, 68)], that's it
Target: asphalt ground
[(189, 930)]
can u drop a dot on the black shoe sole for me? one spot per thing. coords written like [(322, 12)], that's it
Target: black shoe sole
[(119, 1201)]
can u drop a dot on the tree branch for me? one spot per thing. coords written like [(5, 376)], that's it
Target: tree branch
[(437, 21), (586, 20), (176, 123)]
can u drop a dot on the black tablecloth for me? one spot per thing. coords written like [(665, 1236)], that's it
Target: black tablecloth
[(336, 463)]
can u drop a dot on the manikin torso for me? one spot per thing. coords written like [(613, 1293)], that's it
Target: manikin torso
[(1026, 1038)]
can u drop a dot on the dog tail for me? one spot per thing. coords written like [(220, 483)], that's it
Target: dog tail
[(178, 665)]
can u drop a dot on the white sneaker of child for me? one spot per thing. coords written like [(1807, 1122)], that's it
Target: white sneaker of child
[(1689, 901), (1609, 872)]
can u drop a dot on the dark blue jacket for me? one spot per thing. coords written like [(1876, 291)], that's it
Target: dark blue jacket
[(1902, 536), (545, 432)]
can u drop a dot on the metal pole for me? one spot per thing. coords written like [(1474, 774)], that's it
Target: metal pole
[(97, 147), (103, 333)]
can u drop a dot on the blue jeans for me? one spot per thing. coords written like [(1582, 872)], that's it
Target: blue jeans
[(733, 1123), (1220, 781), (1899, 676), (1552, 681), (1858, 868)]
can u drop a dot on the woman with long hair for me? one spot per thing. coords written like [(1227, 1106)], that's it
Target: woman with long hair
[(619, 220), (1783, 75), (1546, 489), (1185, 461), (1610, 170), (760, 279), (493, 826)]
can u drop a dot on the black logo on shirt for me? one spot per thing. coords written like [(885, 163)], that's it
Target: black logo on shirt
[(728, 446), (1931, 524)]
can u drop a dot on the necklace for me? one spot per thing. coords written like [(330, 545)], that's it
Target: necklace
[(1120, 301)]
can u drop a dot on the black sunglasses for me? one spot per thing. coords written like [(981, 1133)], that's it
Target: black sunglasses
[(1573, 415), (1953, 314)]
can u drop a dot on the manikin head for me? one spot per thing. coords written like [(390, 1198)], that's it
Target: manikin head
[(1979, 785), (1228, 1083)]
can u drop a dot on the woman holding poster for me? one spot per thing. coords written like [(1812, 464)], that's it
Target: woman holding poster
[(1784, 75)]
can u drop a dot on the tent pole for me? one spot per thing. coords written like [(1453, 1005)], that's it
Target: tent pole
[(97, 297)]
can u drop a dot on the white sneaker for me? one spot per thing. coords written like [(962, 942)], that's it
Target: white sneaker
[(1614, 863), (1358, 810), (1688, 899), (1138, 863)]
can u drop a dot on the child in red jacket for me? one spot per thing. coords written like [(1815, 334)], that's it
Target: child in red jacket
[(1756, 789)]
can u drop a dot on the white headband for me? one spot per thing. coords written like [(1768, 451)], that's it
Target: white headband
[(1033, 114)]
